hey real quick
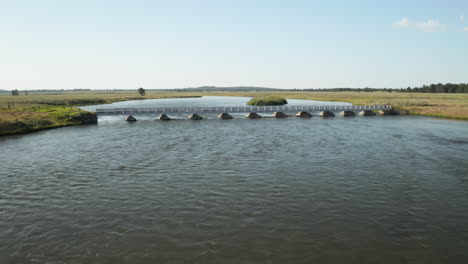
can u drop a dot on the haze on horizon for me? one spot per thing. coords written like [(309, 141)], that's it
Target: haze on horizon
[(54, 44)]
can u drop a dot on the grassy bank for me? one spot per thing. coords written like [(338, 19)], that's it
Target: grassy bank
[(34, 112), (25, 120), (26, 113)]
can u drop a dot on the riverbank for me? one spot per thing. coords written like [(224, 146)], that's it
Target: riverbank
[(26, 120)]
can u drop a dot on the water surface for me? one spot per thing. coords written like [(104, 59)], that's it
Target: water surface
[(200, 102), (335, 190)]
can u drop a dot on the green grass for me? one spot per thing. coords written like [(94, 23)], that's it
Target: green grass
[(267, 100), (34, 112), (25, 120)]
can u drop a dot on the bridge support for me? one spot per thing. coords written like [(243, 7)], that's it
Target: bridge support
[(367, 113), (130, 118), (253, 115), (388, 112), (236, 109), (164, 117), (303, 114), (347, 113), (279, 115), (224, 116), (195, 117), (326, 113)]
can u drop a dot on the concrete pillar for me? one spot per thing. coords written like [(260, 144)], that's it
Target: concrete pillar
[(224, 116), (388, 112), (130, 118), (367, 113), (253, 115), (326, 113), (164, 117), (303, 114), (195, 117), (347, 113), (279, 115)]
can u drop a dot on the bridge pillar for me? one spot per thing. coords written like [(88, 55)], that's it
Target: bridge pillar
[(347, 113), (279, 115), (130, 118), (195, 117), (388, 112), (224, 116), (164, 117), (253, 115), (326, 113), (303, 114), (367, 113)]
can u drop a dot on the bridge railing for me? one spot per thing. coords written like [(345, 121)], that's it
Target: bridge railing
[(238, 109)]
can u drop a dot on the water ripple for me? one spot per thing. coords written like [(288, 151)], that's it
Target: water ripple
[(244, 191)]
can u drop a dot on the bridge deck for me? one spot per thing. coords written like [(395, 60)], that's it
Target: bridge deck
[(238, 109)]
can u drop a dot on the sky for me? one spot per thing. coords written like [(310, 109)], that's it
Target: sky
[(68, 44)]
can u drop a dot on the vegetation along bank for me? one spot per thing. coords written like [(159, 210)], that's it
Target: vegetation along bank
[(28, 111), (267, 100)]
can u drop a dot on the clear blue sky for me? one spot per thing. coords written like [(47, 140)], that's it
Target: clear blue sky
[(54, 44)]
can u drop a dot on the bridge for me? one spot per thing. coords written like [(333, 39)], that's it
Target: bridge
[(237, 109)]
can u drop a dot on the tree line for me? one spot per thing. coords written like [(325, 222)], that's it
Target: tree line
[(15, 92), (433, 88)]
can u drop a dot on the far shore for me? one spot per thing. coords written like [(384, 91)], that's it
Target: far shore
[(28, 113)]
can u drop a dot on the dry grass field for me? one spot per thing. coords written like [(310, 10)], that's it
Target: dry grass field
[(71, 98)]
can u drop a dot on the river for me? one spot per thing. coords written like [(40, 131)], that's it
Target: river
[(381, 189)]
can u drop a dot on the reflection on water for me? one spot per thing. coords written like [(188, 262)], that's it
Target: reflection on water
[(361, 189)]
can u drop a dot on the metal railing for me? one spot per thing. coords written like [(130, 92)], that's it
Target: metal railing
[(238, 109)]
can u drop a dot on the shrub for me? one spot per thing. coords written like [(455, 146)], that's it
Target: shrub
[(267, 100)]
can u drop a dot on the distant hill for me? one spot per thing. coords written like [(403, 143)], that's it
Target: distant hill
[(433, 88), (190, 89), (222, 89)]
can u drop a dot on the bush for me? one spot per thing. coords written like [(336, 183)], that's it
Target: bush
[(267, 100)]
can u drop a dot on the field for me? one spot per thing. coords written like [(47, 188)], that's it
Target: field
[(26, 113), (71, 98)]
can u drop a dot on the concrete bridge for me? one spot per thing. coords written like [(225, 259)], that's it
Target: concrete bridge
[(237, 109)]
